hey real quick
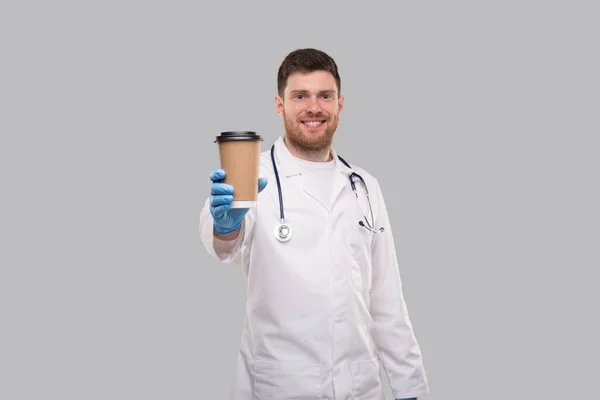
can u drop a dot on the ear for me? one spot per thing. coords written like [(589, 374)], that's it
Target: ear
[(340, 103), (279, 105)]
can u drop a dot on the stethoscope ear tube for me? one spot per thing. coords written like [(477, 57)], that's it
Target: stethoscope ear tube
[(361, 223)]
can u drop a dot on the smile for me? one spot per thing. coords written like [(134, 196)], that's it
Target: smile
[(313, 123)]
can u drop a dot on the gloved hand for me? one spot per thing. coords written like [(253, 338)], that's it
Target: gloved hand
[(226, 220)]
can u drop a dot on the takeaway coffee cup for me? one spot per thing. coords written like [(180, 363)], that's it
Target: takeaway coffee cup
[(239, 153)]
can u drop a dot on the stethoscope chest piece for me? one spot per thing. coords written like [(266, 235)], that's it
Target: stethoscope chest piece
[(283, 232)]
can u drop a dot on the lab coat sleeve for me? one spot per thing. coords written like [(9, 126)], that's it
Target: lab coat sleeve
[(392, 329), (225, 251)]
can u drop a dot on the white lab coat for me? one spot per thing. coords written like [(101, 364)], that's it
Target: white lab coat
[(326, 307)]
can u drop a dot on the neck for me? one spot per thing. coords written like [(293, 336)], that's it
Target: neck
[(317, 155)]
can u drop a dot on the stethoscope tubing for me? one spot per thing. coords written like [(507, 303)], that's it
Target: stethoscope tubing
[(278, 183), (283, 232)]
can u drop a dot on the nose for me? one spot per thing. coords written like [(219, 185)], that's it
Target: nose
[(314, 106)]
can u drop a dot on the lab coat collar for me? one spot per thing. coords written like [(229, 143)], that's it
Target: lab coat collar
[(339, 165)]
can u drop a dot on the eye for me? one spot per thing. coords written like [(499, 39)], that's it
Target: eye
[(327, 96)]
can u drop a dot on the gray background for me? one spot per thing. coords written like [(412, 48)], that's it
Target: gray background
[(108, 114)]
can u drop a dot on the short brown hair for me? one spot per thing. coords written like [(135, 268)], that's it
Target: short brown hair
[(306, 60)]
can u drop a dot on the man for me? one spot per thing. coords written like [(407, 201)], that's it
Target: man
[(325, 307)]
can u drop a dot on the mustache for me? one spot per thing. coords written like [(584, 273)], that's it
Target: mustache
[(315, 115)]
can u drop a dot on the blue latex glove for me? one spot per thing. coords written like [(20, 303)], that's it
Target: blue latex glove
[(226, 220)]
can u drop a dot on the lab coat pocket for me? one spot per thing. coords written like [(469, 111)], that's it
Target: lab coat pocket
[(360, 260), (287, 381), (366, 380)]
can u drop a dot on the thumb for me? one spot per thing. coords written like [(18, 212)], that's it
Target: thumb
[(262, 183)]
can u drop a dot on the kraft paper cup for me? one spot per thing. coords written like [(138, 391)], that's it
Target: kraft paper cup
[(239, 153)]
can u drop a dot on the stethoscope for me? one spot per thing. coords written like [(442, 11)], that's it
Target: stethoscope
[(283, 231)]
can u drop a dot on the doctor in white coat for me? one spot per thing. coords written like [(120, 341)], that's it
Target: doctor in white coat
[(325, 309)]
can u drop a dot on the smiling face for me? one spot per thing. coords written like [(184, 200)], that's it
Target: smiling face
[(310, 107)]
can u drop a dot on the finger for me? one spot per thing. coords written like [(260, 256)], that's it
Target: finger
[(262, 183), (220, 210), (217, 175), (221, 188), (220, 200)]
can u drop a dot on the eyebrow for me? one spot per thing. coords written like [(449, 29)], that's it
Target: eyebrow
[(299, 91)]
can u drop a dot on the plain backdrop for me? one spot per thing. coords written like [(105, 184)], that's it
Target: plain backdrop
[(480, 119)]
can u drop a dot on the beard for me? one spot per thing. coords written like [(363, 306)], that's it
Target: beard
[(310, 142)]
